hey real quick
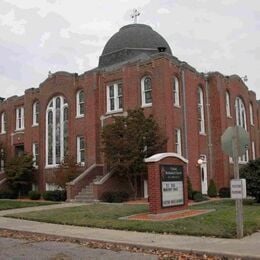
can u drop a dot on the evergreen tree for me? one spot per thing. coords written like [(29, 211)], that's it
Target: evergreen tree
[(128, 140), (19, 172)]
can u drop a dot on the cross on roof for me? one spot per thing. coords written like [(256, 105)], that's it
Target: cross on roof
[(135, 14)]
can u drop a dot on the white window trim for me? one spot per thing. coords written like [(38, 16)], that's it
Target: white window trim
[(78, 114), (62, 107), (79, 159), (228, 108), (178, 144), (3, 123), (176, 92), (201, 105), (35, 163), (251, 114), (116, 99), (144, 104), (240, 110), (35, 113), (19, 128), (253, 150)]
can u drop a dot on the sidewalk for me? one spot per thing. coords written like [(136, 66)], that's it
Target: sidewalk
[(248, 247)]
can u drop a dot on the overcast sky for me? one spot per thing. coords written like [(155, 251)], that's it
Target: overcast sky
[(69, 35)]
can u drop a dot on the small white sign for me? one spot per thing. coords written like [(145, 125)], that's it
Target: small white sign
[(238, 189)]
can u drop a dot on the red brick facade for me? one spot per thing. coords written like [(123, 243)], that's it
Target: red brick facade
[(162, 68)]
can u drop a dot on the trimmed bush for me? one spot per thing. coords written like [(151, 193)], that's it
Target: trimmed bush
[(224, 192), (115, 196), (197, 196), (212, 189), (34, 195), (8, 194), (55, 195)]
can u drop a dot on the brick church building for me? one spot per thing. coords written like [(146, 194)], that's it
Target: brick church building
[(66, 113)]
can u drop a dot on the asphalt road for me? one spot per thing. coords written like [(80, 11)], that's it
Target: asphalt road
[(31, 250)]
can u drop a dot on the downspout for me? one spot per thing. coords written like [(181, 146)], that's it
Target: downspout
[(186, 155), (209, 128)]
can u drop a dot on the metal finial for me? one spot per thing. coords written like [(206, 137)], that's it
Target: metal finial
[(135, 14), (245, 79)]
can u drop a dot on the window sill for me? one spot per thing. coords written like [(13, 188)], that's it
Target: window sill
[(79, 116), (81, 164), (232, 162), (252, 125), (2, 133), (35, 125), (228, 116), (176, 106), (114, 112), (19, 130), (54, 166), (147, 105), (202, 133)]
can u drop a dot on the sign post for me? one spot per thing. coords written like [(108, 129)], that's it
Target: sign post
[(237, 139)]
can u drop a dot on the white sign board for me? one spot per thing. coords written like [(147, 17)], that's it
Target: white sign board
[(238, 189), (172, 185), (172, 193)]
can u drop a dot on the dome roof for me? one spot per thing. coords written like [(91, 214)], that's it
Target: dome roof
[(133, 39)]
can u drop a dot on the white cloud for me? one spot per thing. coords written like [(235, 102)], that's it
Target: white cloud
[(209, 35), (16, 26), (44, 38), (163, 11)]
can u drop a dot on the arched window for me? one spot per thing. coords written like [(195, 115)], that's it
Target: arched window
[(3, 123), (20, 118), (240, 113), (176, 92), (56, 131), (251, 113), (36, 113), (146, 88), (80, 101), (201, 116), (241, 121), (228, 110)]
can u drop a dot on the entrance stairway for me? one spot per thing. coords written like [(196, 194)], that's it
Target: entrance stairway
[(81, 188), (86, 194)]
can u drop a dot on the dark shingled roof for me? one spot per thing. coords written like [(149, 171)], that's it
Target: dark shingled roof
[(131, 40)]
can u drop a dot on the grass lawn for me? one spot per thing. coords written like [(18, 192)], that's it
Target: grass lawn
[(220, 223), (13, 204)]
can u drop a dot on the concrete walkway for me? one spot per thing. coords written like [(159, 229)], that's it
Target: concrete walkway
[(248, 247)]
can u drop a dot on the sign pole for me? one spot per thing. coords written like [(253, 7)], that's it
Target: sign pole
[(239, 202)]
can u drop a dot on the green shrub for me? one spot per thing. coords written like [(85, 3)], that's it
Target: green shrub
[(34, 195), (224, 192), (197, 196), (115, 196), (55, 195), (8, 194), (189, 189), (212, 189), (251, 172)]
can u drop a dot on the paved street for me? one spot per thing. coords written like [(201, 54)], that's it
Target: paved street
[(248, 247), (12, 249)]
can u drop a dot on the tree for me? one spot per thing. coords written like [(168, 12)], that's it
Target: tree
[(19, 173), (127, 141), (66, 172), (251, 172), (212, 189)]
